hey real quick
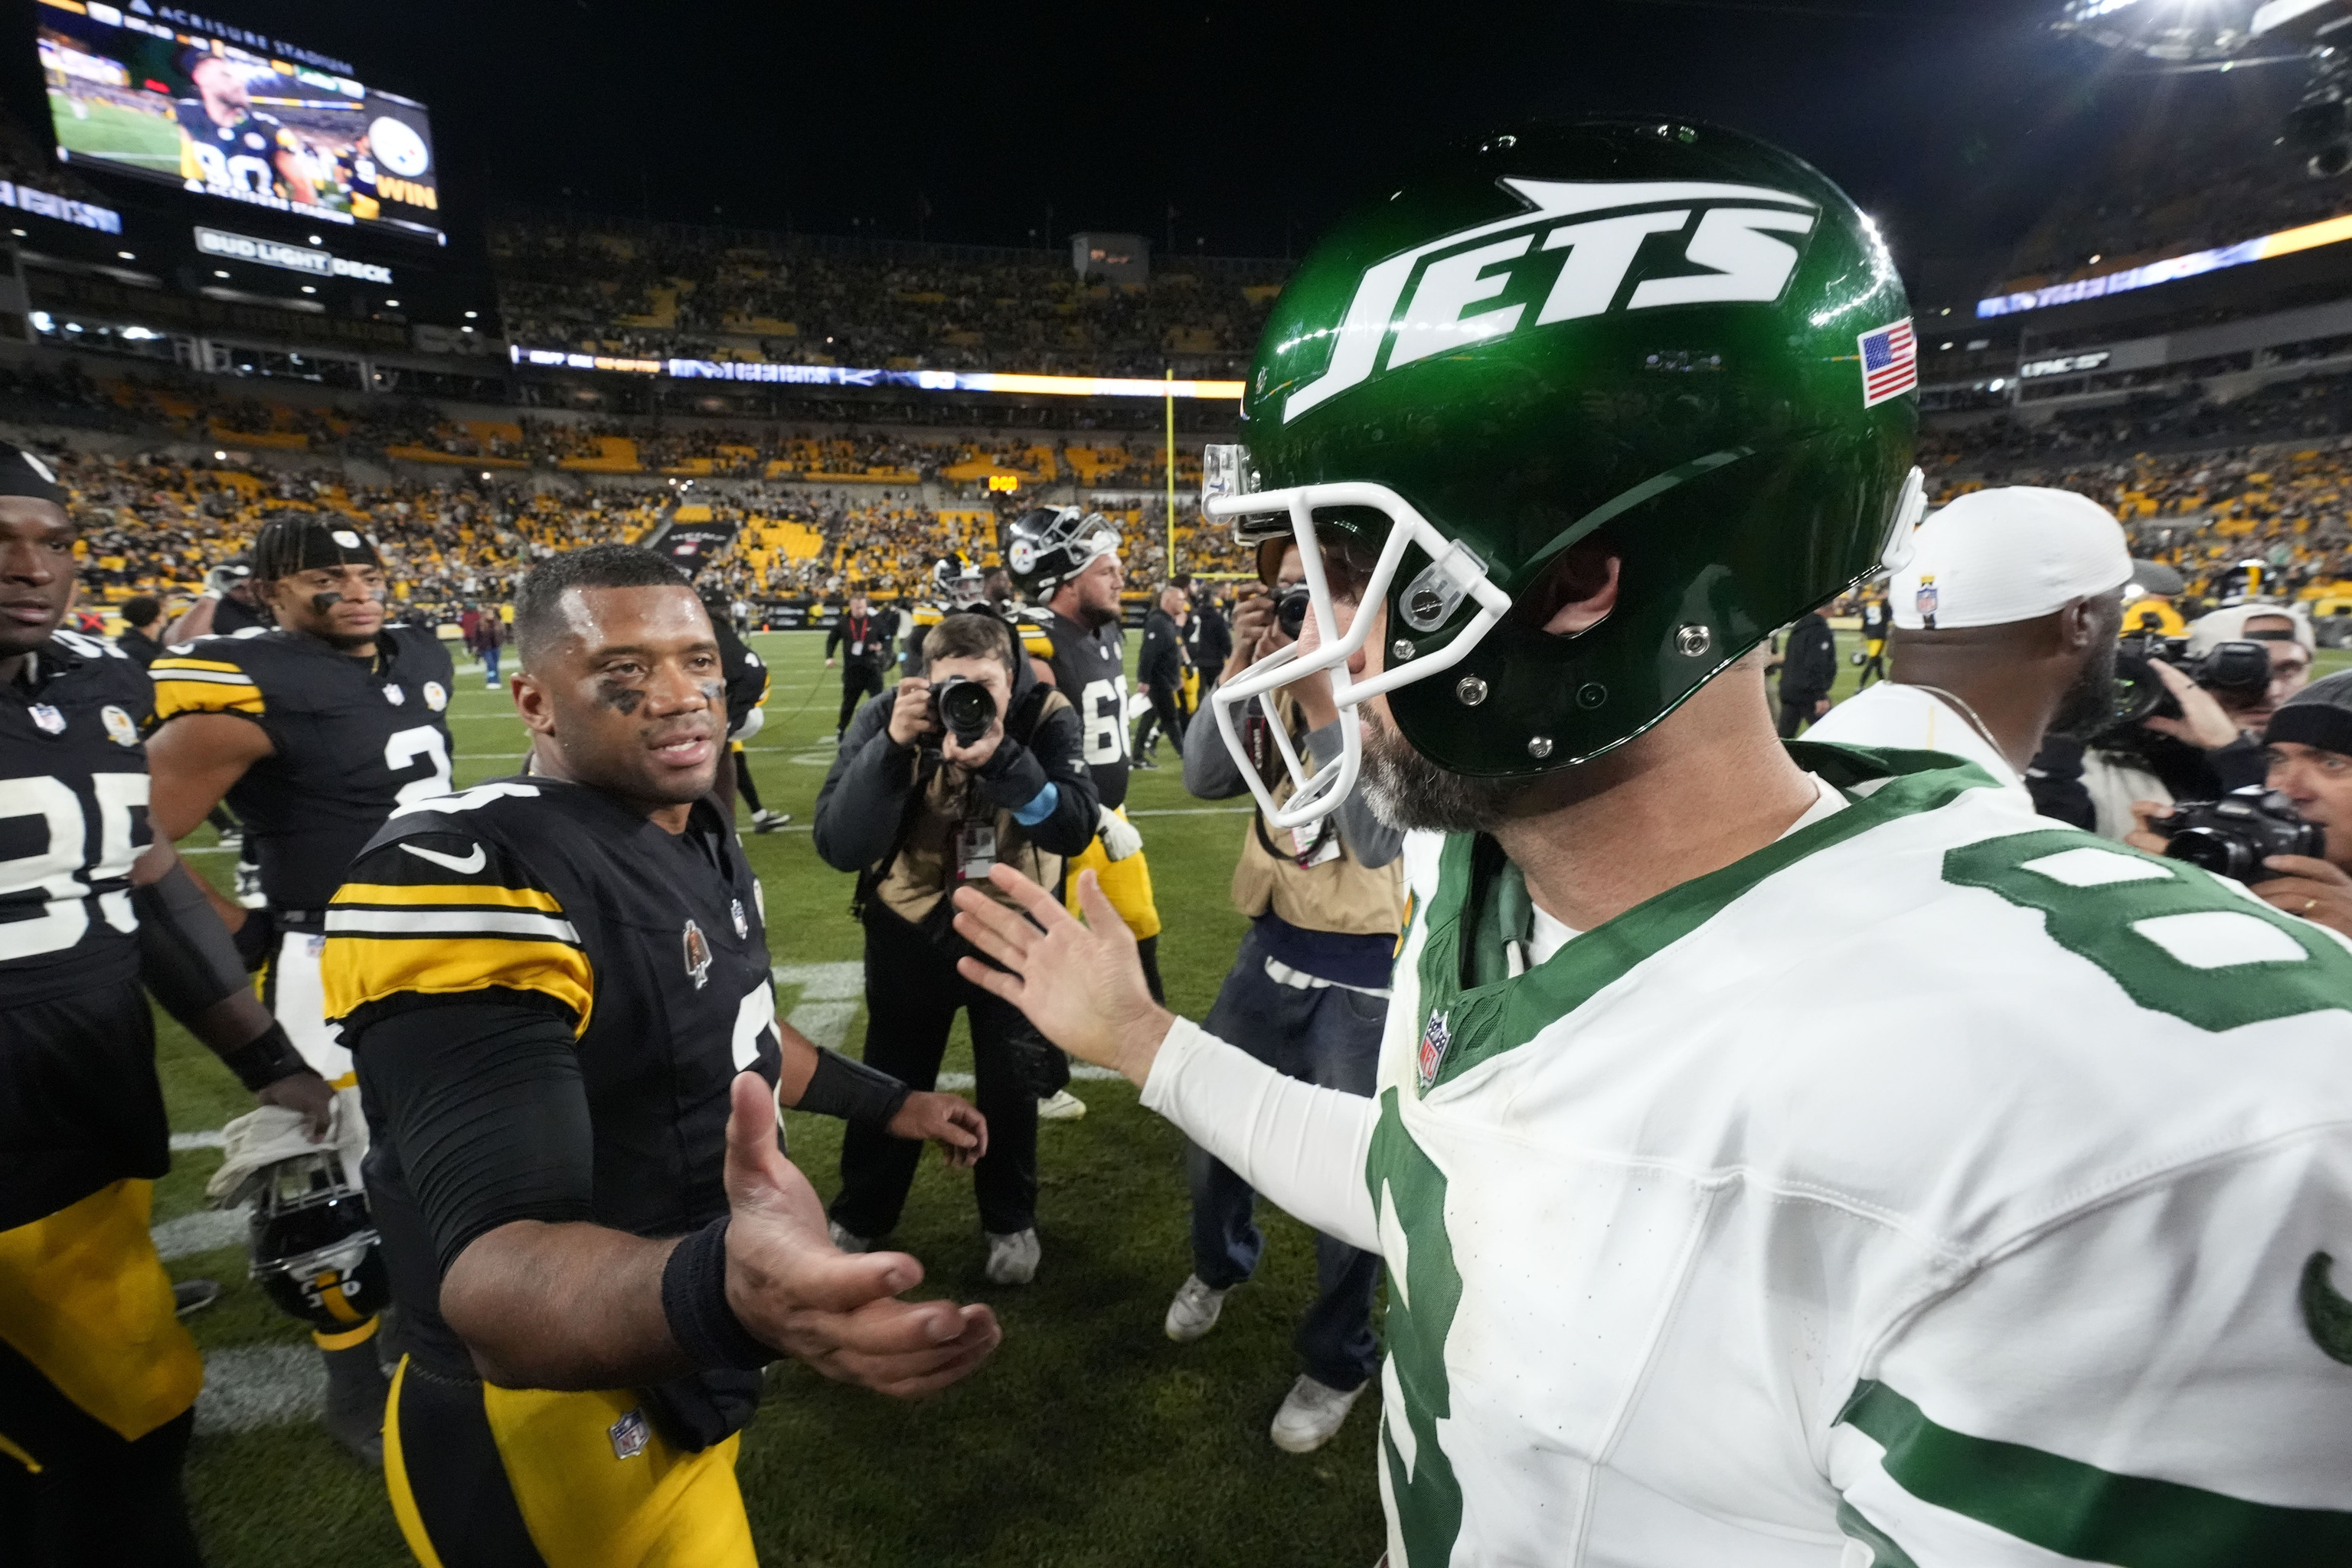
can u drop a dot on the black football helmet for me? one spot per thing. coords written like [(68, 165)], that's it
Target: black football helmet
[(315, 1245), (1045, 547)]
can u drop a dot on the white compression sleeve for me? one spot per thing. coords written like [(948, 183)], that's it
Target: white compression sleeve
[(1305, 1148)]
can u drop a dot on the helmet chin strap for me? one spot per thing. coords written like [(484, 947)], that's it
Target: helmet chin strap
[(1453, 575)]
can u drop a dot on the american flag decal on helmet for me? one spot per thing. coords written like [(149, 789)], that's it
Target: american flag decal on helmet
[(1890, 364)]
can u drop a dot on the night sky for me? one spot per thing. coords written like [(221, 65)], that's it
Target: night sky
[(1955, 122)]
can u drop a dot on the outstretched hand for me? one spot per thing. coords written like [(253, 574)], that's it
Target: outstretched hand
[(796, 1293), (1081, 985)]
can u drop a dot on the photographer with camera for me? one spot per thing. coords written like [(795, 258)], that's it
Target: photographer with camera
[(972, 764), (2192, 715), (1308, 995), (2296, 826)]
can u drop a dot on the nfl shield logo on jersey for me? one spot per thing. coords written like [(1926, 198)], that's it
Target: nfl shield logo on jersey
[(51, 721), (742, 926), (1434, 1039), (629, 1435), (698, 955), (1925, 602)]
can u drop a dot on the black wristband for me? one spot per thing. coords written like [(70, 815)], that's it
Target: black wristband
[(852, 1090), (694, 1299), (266, 1059)]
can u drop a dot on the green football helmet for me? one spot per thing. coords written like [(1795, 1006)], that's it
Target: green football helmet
[(1664, 336)]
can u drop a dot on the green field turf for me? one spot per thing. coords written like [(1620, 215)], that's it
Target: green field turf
[(150, 141), (1089, 1439)]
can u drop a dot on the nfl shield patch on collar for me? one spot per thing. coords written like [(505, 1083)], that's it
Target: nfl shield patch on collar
[(51, 721), (1434, 1039)]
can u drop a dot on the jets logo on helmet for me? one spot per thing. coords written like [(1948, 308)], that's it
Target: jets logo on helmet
[(1047, 546), (1733, 245), (1612, 339)]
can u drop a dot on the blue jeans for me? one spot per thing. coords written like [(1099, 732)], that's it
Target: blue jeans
[(1331, 1037), (491, 665)]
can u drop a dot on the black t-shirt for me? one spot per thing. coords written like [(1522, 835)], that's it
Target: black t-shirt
[(355, 739), (231, 617), (648, 946), (1090, 668), (73, 817)]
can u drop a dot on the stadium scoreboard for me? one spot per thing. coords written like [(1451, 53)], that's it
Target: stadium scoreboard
[(163, 94)]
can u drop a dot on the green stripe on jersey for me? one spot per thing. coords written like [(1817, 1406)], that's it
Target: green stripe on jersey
[(2081, 1511)]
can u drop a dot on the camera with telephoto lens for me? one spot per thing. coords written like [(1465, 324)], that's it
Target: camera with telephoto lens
[(2233, 836), (964, 707), (2241, 669), (1290, 610)]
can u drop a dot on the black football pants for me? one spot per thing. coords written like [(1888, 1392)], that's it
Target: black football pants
[(913, 993)]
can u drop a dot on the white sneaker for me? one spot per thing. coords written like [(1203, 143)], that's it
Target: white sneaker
[(1063, 1106), (845, 1239), (770, 820), (1311, 1414), (1012, 1259), (1194, 1310)]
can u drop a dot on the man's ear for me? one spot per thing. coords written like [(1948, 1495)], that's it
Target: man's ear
[(1578, 594), (532, 704)]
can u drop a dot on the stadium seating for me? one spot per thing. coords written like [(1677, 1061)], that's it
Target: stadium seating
[(669, 290)]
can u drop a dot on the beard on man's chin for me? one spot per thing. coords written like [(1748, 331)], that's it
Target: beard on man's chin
[(2089, 705), (1409, 792)]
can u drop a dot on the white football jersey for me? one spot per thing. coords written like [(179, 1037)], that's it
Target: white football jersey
[(1936, 1186)]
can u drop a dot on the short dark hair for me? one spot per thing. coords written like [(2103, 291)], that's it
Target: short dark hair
[(141, 612), (969, 634), (538, 603)]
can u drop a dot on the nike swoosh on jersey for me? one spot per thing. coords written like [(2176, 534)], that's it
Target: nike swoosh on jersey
[(465, 865), (2326, 1312)]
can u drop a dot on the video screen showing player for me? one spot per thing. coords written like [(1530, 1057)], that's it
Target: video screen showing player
[(289, 130)]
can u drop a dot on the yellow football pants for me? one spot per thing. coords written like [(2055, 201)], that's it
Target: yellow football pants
[(84, 1299), (1126, 883), (492, 1477)]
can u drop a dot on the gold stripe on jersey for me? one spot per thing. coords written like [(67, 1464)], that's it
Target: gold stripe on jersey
[(358, 970), (388, 935), (203, 685)]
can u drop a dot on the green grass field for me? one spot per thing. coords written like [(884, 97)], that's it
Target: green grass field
[(1089, 1439), (111, 131)]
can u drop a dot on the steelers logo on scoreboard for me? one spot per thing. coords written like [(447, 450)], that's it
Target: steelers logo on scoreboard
[(398, 147)]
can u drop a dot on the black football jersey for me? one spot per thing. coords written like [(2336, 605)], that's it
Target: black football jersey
[(1090, 668), (746, 674), (650, 943), (73, 817), (356, 738)]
